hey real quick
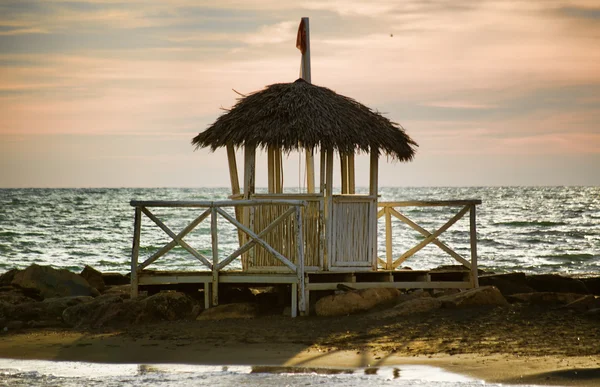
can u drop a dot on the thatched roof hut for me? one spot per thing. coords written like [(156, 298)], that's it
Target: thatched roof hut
[(292, 115)]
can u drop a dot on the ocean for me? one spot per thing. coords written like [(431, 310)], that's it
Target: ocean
[(528, 229)]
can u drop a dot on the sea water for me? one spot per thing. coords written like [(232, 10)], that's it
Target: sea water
[(71, 374), (529, 229)]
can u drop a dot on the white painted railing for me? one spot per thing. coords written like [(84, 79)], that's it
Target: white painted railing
[(389, 209), (213, 209)]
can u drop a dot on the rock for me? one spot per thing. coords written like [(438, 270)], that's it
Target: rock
[(169, 306), (86, 314), (52, 282), (227, 311), (40, 314), (14, 296), (444, 292), (481, 296), (510, 283), (121, 290), (419, 293), (113, 310), (593, 312), (592, 284), (6, 278), (115, 279), (584, 303), (357, 301), (93, 277), (544, 298), (556, 284), (417, 305)]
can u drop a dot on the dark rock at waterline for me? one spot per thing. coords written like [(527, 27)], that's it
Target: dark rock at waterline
[(51, 282), (86, 314), (15, 296), (93, 277), (113, 310), (355, 301), (6, 278), (510, 283), (115, 279), (239, 310), (482, 296), (47, 313), (584, 303), (592, 284), (544, 298), (556, 283)]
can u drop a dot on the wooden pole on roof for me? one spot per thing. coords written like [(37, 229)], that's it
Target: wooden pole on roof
[(303, 44)]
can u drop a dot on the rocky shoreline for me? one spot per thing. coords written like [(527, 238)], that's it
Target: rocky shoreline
[(43, 297)]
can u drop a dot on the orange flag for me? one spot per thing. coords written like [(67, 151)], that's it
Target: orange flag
[(301, 37)]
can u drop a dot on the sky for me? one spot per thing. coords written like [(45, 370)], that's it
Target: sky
[(109, 93)]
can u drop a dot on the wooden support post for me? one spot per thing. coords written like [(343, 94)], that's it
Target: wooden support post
[(351, 175), (328, 210), (271, 170), (300, 260), (389, 260), (373, 189), (249, 170), (344, 171), (310, 171), (322, 170), (373, 175), (473, 234), (233, 172), (278, 175), (135, 250), (215, 256)]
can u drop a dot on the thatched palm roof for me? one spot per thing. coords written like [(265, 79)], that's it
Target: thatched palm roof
[(289, 115)]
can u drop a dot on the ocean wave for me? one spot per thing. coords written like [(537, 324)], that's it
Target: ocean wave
[(537, 223), (573, 257)]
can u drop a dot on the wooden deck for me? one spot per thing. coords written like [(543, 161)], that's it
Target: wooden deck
[(318, 281)]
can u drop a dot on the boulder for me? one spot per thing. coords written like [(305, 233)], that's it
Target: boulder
[(50, 282), (6, 278), (227, 311), (419, 293), (417, 305), (41, 314), (14, 296), (113, 310), (556, 284), (584, 303), (356, 301), (510, 283), (544, 298), (93, 277), (121, 290), (482, 296), (115, 279), (592, 284), (86, 314)]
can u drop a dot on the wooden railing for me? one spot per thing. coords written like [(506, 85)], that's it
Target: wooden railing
[(388, 209), (213, 209)]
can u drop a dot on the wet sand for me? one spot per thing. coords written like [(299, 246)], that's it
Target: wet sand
[(517, 344)]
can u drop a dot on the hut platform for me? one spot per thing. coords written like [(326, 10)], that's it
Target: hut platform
[(150, 280)]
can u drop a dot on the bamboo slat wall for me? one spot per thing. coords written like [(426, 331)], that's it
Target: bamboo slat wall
[(352, 242), (283, 237)]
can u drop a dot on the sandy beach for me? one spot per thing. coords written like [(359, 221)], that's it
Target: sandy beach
[(516, 344)]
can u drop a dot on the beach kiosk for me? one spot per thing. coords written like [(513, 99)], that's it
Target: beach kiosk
[(311, 239), (339, 230)]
